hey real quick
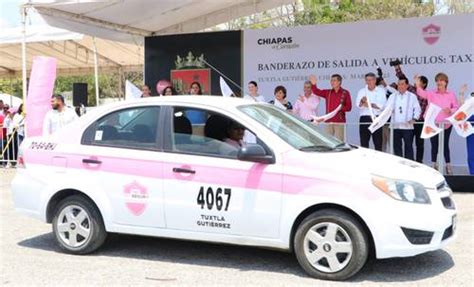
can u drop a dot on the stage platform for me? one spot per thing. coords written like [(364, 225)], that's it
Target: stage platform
[(461, 183)]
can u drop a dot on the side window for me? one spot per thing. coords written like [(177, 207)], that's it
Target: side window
[(128, 128), (202, 132)]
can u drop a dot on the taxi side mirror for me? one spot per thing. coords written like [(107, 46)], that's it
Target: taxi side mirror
[(255, 153)]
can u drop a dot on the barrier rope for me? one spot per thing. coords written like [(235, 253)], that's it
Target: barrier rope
[(9, 140)]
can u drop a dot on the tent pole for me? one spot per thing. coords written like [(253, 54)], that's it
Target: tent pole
[(96, 74), (23, 51), (120, 83)]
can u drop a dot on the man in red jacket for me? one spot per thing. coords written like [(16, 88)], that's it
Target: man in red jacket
[(334, 97)]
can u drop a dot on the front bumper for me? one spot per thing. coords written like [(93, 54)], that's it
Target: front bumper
[(407, 229)]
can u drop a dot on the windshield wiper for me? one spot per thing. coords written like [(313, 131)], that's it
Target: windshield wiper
[(343, 146), (339, 147), (316, 148)]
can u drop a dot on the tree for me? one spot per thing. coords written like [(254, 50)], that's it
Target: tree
[(108, 84), (459, 6), (321, 11), (11, 87), (310, 12)]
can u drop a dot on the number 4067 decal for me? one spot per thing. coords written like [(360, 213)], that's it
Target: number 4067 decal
[(218, 199)]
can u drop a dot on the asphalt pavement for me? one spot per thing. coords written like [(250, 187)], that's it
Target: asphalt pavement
[(29, 256)]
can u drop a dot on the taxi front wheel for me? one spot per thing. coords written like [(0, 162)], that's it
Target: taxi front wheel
[(78, 226), (331, 245)]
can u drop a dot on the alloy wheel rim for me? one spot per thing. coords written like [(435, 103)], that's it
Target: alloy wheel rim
[(74, 226), (328, 247)]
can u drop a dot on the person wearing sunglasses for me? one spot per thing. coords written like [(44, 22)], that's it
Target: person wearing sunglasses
[(406, 109), (4, 109)]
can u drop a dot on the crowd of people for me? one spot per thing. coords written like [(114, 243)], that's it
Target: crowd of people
[(409, 102), (12, 126), (12, 132)]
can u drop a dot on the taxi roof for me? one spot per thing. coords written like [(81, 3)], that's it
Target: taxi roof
[(219, 102), (207, 100)]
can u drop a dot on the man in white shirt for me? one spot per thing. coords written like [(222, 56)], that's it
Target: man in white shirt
[(58, 117), (371, 101), (406, 109), (306, 106)]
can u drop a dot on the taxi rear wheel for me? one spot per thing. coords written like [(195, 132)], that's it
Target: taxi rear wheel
[(331, 244), (78, 226)]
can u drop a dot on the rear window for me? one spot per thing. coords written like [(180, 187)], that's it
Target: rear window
[(128, 128)]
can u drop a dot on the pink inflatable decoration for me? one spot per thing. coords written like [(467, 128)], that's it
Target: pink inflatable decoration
[(40, 90), (161, 85)]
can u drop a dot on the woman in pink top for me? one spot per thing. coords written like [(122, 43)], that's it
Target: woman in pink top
[(448, 103)]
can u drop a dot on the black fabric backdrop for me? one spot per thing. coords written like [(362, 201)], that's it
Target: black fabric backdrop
[(221, 49)]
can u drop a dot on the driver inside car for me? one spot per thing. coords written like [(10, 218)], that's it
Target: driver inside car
[(233, 138), (234, 135)]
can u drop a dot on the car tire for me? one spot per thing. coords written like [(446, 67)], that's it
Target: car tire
[(331, 244), (78, 225)]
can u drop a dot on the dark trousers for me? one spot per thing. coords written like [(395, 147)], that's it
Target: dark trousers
[(365, 134), (405, 136), (419, 142), (435, 143), (470, 149)]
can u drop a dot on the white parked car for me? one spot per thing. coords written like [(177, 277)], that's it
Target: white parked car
[(176, 167)]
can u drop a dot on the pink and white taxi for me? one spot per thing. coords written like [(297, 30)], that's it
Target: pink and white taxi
[(230, 171)]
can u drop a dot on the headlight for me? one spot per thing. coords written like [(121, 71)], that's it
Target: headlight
[(403, 190)]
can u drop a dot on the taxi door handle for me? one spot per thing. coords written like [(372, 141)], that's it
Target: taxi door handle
[(91, 161), (183, 170)]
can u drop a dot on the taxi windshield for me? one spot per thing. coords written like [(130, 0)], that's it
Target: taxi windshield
[(297, 132)]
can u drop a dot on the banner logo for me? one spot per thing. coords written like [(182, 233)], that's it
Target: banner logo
[(278, 43), (431, 33), (136, 197), (272, 41), (190, 69)]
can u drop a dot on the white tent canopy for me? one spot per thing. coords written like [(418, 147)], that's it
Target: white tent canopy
[(73, 51), (10, 100), (40, 33), (131, 20)]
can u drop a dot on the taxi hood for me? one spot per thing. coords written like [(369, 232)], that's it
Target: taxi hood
[(362, 163), (395, 167)]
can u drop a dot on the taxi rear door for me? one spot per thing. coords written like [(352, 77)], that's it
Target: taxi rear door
[(120, 153)]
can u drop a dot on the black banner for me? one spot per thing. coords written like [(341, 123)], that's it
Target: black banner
[(184, 53)]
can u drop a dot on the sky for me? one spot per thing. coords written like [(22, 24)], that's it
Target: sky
[(10, 14)]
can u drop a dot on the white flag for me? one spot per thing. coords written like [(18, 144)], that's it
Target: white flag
[(277, 104), (464, 129), (382, 119), (369, 104), (225, 89), (131, 91), (460, 119), (429, 127), (327, 116)]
